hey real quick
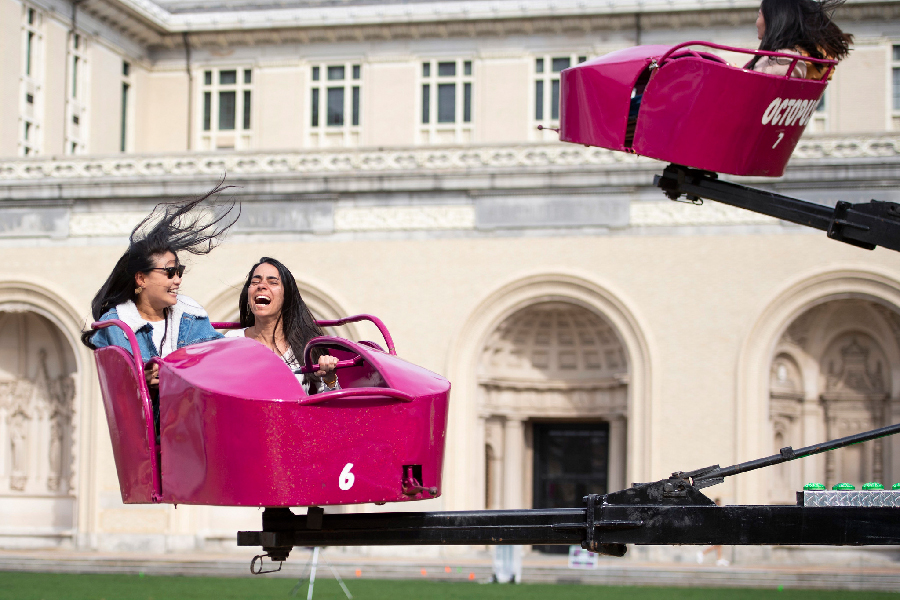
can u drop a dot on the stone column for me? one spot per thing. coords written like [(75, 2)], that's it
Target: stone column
[(617, 449), (513, 444)]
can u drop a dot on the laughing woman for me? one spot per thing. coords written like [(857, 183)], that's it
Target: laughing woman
[(142, 290), (274, 314)]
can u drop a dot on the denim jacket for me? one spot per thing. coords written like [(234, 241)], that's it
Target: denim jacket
[(190, 321)]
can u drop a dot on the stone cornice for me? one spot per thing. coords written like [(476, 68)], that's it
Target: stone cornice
[(420, 160), (240, 25)]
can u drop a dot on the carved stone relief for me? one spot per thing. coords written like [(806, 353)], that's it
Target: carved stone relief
[(848, 342), (36, 407)]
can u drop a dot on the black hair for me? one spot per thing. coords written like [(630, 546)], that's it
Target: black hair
[(805, 25), (174, 227), (296, 320)]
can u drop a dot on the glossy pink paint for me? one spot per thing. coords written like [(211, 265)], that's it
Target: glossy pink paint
[(696, 109), (237, 429)]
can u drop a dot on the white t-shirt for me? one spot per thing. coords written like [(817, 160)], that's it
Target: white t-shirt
[(290, 360), (159, 330)]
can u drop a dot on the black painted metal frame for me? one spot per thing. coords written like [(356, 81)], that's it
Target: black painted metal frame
[(865, 225), (669, 511)]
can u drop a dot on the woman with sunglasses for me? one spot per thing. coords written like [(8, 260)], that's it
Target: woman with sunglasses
[(142, 290)]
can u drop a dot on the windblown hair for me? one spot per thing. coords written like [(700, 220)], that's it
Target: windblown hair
[(296, 320), (185, 226), (805, 25)]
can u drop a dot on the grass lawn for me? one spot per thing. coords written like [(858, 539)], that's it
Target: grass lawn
[(45, 586)]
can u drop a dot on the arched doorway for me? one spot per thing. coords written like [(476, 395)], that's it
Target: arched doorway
[(553, 400), (834, 373), (37, 393)]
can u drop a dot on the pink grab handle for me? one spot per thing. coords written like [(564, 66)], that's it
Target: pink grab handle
[(353, 362), (354, 392), (831, 63)]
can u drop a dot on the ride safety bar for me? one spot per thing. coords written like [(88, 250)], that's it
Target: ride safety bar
[(335, 323), (794, 58)]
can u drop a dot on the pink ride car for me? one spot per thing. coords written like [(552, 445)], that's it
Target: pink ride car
[(237, 429), (696, 110)]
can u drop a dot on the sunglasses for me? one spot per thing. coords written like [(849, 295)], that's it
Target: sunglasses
[(171, 272)]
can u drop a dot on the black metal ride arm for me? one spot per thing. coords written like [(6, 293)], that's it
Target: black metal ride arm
[(669, 511), (865, 225)]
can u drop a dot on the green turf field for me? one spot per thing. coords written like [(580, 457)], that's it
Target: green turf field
[(43, 586)]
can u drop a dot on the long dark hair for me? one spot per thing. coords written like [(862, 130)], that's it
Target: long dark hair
[(805, 25), (297, 322), (170, 227)]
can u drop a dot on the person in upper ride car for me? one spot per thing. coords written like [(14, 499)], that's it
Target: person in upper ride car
[(274, 314), (802, 27), (142, 290)]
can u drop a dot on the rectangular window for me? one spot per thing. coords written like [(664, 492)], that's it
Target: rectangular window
[(335, 73), (29, 44), (207, 111), (446, 69), (447, 104), (315, 107), (31, 78), (78, 96), (227, 108), (467, 102), (539, 100), (554, 99), (75, 75), (246, 109), (124, 122), (336, 106), (336, 93), (126, 69), (227, 77)]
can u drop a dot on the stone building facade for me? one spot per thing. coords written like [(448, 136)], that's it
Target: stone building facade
[(595, 333)]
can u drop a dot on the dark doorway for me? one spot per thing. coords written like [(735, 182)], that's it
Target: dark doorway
[(570, 461)]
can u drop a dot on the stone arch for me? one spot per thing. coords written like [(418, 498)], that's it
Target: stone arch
[(574, 292), (787, 326), (43, 419)]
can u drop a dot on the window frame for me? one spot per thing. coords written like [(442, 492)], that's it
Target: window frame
[(429, 82), (212, 88), (77, 86), (321, 132), (31, 105), (126, 136)]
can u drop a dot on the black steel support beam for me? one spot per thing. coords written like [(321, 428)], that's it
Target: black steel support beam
[(865, 225), (613, 525)]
